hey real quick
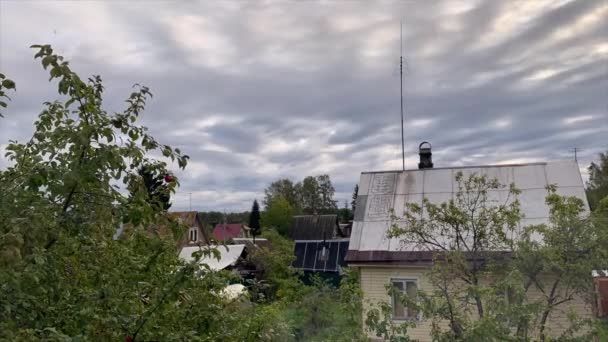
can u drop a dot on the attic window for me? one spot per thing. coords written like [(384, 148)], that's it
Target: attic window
[(193, 234)]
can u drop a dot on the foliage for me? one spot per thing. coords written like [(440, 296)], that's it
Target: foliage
[(487, 276), (326, 193), (353, 203), (278, 215), (254, 219), (572, 245), (286, 189), (63, 276), (597, 186), (314, 195), (158, 194), (344, 213), (316, 312), (8, 84), (274, 263)]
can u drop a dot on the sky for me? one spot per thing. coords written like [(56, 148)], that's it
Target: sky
[(261, 90)]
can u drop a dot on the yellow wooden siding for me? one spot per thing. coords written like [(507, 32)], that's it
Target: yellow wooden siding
[(375, 279)]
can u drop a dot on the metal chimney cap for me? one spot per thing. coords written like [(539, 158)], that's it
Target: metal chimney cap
[(424, 146)]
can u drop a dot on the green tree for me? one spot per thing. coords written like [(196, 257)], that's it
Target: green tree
[(597, 186), (254, 220), (466, 231), (278, 215), (486, 276), (326, 192), (353, 203), (286, 189), (154, 183), (567, 249), (63, 276), (344, 213), (311, 196)]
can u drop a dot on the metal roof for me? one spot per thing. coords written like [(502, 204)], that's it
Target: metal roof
[(381, 192), (229, 255), (313, 227)]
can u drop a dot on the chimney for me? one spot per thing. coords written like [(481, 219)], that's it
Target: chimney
[(426, 157)]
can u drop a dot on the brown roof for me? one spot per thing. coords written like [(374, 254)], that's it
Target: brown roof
[(186, 217), (411, 258), (313, 227)]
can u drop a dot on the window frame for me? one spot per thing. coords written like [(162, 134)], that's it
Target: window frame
[(404, 281), (193, 233), (602, 312)]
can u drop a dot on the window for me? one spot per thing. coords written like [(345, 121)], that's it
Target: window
[(601, 285), (193, 234), (409, 288)]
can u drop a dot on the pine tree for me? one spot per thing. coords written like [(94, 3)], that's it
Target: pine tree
[(353, 203), (254, 220)]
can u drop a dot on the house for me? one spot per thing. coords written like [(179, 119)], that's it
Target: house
[(382, 261), (228, 231), (230, 256), (193, 236), (315, 227), (196, 234), (320, 245)]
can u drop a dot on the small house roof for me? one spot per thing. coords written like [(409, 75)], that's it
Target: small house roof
[(229, 255), (227, 231), (313, 227)]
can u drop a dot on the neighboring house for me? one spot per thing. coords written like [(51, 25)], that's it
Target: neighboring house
[(196, 234), (229, 256), (320, 245), (382, 261), (229, 231)]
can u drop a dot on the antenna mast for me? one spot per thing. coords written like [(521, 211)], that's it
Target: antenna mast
[(401, 75)]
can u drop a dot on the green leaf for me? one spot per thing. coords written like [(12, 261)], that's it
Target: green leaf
[(8, 84)]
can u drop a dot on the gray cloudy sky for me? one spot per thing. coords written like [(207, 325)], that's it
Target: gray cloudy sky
[(255, 91)]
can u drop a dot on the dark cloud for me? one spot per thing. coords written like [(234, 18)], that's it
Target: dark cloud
[(254, 91)]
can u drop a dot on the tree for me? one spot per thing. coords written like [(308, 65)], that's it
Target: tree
[(278, 215), (326, 192), (344, 213), (254, 220), (286, 189), (570, 246), (63, 276), (157, 189), (597, 186), (353, 203), (466, 231), (311, 196)]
